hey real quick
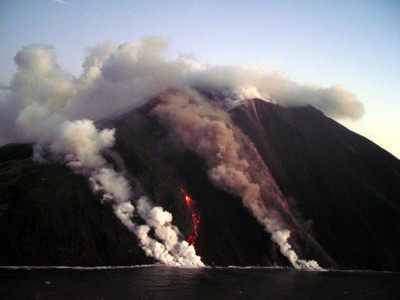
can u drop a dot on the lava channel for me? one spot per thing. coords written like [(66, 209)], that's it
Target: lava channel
[(195, 218)]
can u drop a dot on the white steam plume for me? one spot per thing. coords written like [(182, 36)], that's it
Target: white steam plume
[(182, 253), (41, 96), (240, 83), (81, 146), (207, 130)]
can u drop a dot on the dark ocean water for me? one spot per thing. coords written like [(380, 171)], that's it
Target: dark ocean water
[(158, 282)]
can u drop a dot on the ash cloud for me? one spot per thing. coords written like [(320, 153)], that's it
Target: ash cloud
[(42, 95)]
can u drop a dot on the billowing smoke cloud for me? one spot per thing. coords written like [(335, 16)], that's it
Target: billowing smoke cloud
[(206, 129), (82, 143), (240, 83), (41, 95), (39, 90), (335, 101), (181, 253)]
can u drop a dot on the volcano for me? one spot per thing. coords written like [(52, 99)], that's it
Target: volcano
[(325, 192)]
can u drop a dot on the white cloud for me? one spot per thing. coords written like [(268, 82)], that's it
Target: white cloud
[(41, 95)]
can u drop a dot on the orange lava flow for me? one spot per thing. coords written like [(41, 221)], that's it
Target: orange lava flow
[(195, 217)]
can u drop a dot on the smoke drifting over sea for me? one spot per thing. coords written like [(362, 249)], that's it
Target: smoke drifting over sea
[(53, 109)]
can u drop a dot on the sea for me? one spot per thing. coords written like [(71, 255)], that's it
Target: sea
[(162, 282)]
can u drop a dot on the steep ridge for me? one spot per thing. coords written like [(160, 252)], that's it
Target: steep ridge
[(345, 188)]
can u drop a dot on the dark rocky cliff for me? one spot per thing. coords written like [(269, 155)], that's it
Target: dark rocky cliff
[(344, 186), (49, 216)]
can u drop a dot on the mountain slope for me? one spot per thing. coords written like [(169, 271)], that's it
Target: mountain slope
[(346, 186), (342, 190), (49, 216)]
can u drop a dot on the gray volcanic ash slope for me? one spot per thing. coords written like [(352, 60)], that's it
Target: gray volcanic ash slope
[(264, 185)]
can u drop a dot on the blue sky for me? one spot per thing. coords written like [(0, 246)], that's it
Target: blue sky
[(355, 44)]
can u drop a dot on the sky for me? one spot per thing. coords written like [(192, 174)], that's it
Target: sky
[(354, 44)]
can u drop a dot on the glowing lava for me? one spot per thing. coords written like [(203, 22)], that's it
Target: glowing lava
[(195, 217)]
